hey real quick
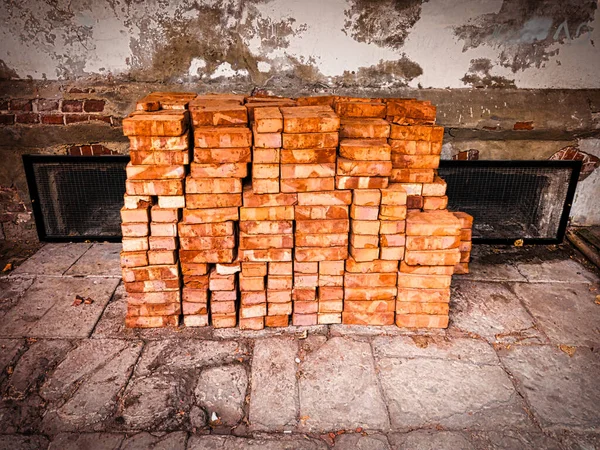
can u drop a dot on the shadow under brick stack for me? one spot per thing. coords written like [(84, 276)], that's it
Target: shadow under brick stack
[(213, 192), (159, 149)]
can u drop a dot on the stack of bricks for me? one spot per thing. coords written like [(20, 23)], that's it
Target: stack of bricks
[(352, 231), (159, 138), (213, 190)]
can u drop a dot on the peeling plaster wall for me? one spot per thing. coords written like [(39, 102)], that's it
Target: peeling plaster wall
[(390, 43)]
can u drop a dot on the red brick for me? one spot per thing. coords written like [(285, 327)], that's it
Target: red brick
[(53, 119), (7, 119), (72, 106), (93, 105), (76, 118), (27, 118), (45, 105), (20, 105)]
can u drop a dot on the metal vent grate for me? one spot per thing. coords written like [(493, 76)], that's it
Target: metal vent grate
[(76, 197), (512, 200)]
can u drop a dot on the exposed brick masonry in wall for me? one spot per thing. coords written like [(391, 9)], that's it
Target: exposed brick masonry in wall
[(53, 112)]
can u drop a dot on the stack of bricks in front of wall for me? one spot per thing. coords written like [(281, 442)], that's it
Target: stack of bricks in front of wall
[(340, 219)]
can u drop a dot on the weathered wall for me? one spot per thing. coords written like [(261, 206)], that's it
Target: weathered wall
[(511, 79)]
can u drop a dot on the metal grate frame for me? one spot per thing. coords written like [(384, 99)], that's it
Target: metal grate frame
[(76, 198)]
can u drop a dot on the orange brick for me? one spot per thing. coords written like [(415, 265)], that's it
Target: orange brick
[(358, 318), (224, 321), (280, 268), (412, 175), (154, 187), (393, 195), (335, 226), (432, 223), (371, 293), (391, 253), (163, 229), (290, 171), (466, 234), (189, 308), (326, 100), (432, 242), (202, 201), (251, 284), (331, 280), (329, 318), (418, 281), (465, 246), (331, 267), (254, 323), (266, 227), (253, 200), (424, 295), (258, 242), (327, 198), (422, 308), (362, 280), (307, 184), (212, 186), (215, 137), (206, 229), (304, 294), (279, 309), (321, 240), (194, 295), (360, 109), (376, 266), (138, 215), (225, 170), (309, 119), (321, 254), (364, 254), (270, 213), (461, 268), (421, 321), (265, 171), (225, 298), (152, 286), (389, 212), (308, 156), (266, 155), (220, 114), (371, 306), (364, 128), (192, 269), (158, 123), (366, 197), (134, 259), (273, 254), (160, 143), (414, 202), (222, 155), (300, 320), (343, 182), (268, 120), (411, 147), (137, 201), (365, 149), (207, 256), (164, 215), (306, 267), (277, 321), (267, 140), (310, 140), (426, 270), (306, 307), (435, 189), (331, 294), (320, 212), (349, 167), (222, 283), (305, 280), (433, 203), (196, 282), (136, 298), (171, 201), (364, 241), (134, 229), (433, 257), (282, 296), (210, 215), (365, 227), (247, 312), (392, 227), (254, 269), (466, 220), (162, 243), (151, 322), (265, 185), (364, 212), (392, 240)]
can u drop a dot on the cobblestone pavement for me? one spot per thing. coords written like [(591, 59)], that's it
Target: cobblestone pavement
[(518, 368)]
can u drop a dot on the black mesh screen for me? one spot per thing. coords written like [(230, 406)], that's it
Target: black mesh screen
[(78, 197), (511, 200)]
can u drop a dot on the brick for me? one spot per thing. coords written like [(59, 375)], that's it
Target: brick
[(247, 312), (364, 241), (19, 104), (360, 109), (27, 118), (163, 229), (309, 119), (134, 259), (151, 322), (364, 212), (197, 201), (47, 119), (372, 306), (434, 203), (331, 280), (414, 202), (225, 170), (193, 269), (321, 240), (306, 267), (268, 140), (465, 246), (164, 143), (162, 257), (224, 321), (228, 268), (393, 195), (369, 279), (301, 307), (466, 220), (265, 185), (412, 175), (308, 156), (7, 119), (210, 215), (441, 295), (331, 294), (162, 243), (215, 99), (196, 282), (371, 293), (207, 256), (266, 227), (305, 280), (395, 213), (206, 229), (320, 254), (263, 200), (216, 137), (334, 305), (307, 170), (280, 268), (134, 244), (93, 105), (270, 213), (333, 212), (378, 318), (461, 268), (134, 229), (422, 308), (254, 269), (392, 253), (392, 240), (277, 321), (329, 318), (300, 320), (266, 255), (219, 114), (326, 100), (135, 172), (432, 223), (224, 283), (279, 309), (268, 171), (158, 123), (421, 321), (418, 281), (159, 158), (466, 234), (435, 189), (323, 226), (365, 149), (212, 185), (166, 272), (171, 201), (364, 128), (433, 257), (207, 243), (154, 187), (349, 167), (268, 120), (376, 266), (152, 286), (307, 184), (165, 297), (266, 155), (412, 189), (163, 215), (432, 242), (392, 227), (222, 155), (195, 295), (364, 254), (331, 267), (343, 182), (261, 242), (135, 215), (365, 227), (411, 147), (69, 106), (280, 282), (304, 294), (366, 197), (310, 140)]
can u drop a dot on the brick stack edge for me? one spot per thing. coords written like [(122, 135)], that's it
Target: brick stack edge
[(249, 211)]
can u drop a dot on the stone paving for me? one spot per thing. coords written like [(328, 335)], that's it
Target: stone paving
[(518, 368)]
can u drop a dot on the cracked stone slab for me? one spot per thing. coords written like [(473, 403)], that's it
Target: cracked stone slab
[(338, 388), (481, 271), (566, 313), (23, 415), (513, 440), (580, 441), (9, 348), (157, 441), (274, 394), (358, 441), (492, 311), (236, 333), (431, 440), (222, 390), (558, 271), (79, 441), (465, 389), (46, 309), (235, 443), (11, 291), (561, 389), (40, 358), (19, 442), (84, 387), (52, 259), (102, 259)]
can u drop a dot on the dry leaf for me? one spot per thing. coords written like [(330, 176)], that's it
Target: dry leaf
[(597, 301), (8, 267), (569, 350), (519, 243)]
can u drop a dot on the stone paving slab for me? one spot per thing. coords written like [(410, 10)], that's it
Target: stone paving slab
[(13, 442), (557, 271), (79, 441), (339, 388), (11, 291), (561, 389), (100, 260), (493, 311), (235, 443), (52, 259), (455, 385), (46, 308), (9, 348), (566, 313), (481, 271)]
